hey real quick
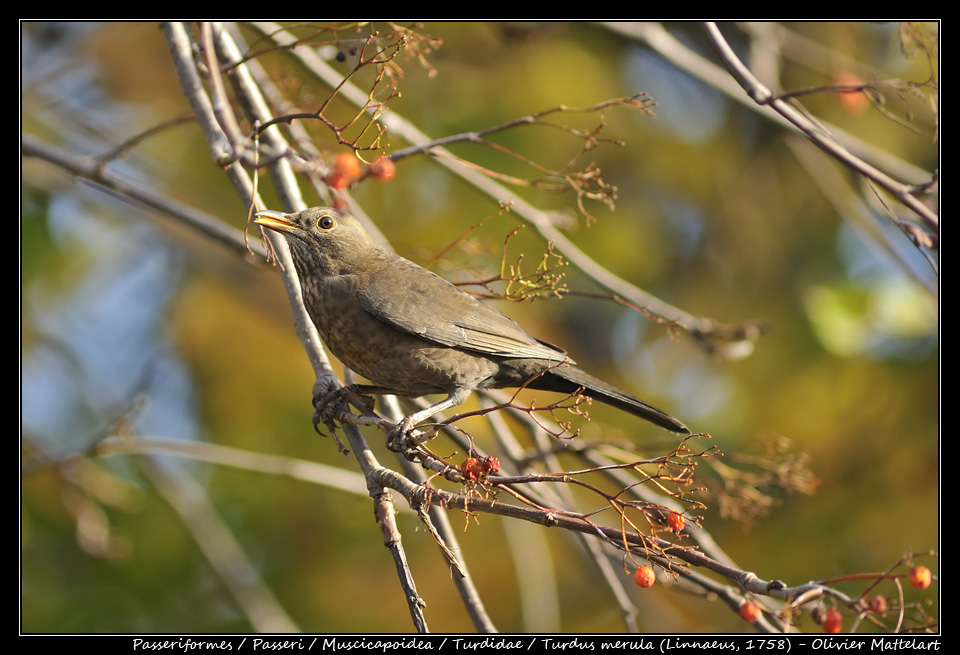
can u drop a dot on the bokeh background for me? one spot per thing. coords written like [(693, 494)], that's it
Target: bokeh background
[(132, 323)]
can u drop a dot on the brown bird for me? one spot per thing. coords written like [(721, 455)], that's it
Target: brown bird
[(412, 333)]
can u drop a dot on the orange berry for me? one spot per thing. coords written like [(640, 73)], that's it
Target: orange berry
[(832, 621), (338, 181), (383, 169), (675, 521), (855, 102), (345, 171), (749, 612), (920, 576), (644, 577), (877, 604), (347, 164)]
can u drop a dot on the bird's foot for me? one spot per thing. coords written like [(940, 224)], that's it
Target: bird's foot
[(404, 436), (330, 405), (323, 388), (398, 435)]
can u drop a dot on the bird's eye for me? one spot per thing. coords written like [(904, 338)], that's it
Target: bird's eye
[(326, 222)]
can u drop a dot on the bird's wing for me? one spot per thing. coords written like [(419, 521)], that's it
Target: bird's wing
[(434, 309)]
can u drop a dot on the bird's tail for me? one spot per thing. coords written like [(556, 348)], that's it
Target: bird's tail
[(568, 379)]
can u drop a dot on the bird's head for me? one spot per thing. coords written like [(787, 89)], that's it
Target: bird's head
[(322, 238)]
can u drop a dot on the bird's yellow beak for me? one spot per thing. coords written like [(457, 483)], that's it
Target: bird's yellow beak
[(275, 220)]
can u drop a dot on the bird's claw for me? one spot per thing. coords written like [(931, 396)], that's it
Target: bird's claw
[(322, 388), (332, 406), (403, 436), (329, 405)]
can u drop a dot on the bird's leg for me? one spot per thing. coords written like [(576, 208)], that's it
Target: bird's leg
[(327, 404), (321, 390), (403, 430)]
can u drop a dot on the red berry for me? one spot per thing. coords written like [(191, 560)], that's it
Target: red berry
[(877, 604), (383, 169), (920, 576), (491, 463), (675, 521), (644, 577), (832, 621), (471, 469), (749, 612)]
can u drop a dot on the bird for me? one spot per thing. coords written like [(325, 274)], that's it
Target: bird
[(413, 333)]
